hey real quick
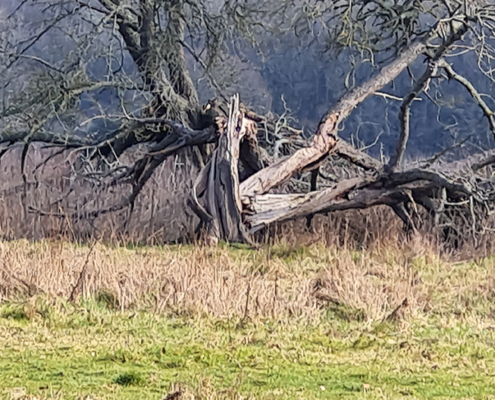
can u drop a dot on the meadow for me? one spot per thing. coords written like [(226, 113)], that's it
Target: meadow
[(94, 321)]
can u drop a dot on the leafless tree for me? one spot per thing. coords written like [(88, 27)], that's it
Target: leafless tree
[(152, 50)]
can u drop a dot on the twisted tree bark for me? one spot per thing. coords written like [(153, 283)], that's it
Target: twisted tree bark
[(216, 197)]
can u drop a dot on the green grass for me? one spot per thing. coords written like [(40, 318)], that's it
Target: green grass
[(441, 348), (51, 349)]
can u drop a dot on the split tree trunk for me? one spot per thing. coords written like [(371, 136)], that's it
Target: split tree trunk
[(226, 207), (216, 198)]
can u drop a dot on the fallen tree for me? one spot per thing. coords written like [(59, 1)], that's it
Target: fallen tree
[(386, 186)]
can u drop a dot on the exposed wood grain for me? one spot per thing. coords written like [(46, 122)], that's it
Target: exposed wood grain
[(216, 198), (325, 138)]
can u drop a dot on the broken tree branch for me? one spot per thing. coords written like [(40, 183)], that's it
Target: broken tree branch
[(355, 193), (270, 208), (325, 138)]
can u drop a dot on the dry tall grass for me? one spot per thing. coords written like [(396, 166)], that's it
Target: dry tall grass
[(162, 216), (160, 213), (278, 282)]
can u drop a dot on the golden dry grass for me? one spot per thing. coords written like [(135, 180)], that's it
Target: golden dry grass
[(161, 214), (276, 282)]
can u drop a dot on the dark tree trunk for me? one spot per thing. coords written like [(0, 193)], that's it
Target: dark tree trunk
[(216, 198)]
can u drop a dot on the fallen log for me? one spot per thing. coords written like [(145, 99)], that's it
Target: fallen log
[(325, 139)]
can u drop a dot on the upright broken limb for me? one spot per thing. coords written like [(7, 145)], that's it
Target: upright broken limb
[(216, 198)]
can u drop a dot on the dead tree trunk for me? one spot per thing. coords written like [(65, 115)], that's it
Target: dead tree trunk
[(216, 197), (221, 201)]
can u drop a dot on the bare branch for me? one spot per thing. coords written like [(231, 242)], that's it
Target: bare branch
[(404, 114), (490, 160), (473, 92), (357, 157)]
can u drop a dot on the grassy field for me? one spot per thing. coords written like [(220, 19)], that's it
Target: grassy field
[(232, 323)]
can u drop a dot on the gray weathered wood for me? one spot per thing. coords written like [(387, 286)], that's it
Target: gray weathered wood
[(325, 138), (216, 198)]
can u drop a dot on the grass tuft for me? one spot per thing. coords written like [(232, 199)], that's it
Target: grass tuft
[(129, 379), (17, 312), (107, 299)]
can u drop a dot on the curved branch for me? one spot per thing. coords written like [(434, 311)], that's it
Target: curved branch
[(404, 116), (357, 157), (325, 138), (472, 91), (172, 139), (402, 178), (405, 108), (490, 160)]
